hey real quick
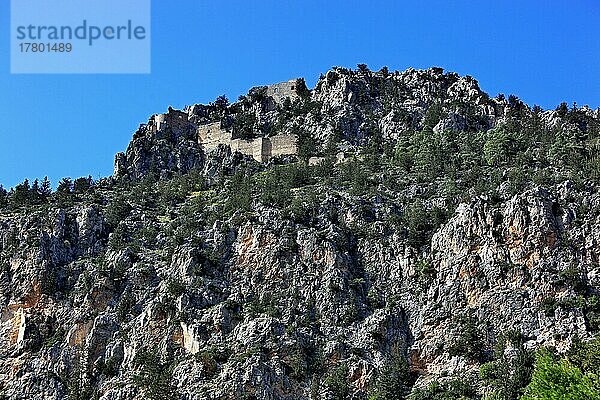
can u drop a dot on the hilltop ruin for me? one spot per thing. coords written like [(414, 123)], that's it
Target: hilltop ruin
[(210, 136), (213, 134)]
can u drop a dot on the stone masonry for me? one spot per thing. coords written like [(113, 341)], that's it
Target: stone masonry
[(211, 135), (280, 91), (173, 118)]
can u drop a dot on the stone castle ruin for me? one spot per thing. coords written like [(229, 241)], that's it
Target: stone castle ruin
[(280, 91), (176, 120), (211, 135)]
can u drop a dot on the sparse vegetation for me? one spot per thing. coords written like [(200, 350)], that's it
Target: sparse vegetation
[(469, 342), (454, 389), (155, 374), (336, 382), (394, 381), (510, 371)]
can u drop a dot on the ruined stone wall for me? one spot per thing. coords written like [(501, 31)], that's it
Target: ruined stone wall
[(283, 145), (280, 91), (262, 149), (212, 135), (258, 148), (243, 146), (174, 119)]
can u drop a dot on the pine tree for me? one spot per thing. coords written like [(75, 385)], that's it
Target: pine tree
[(65, 186), (82, 185), (3, 197), (562, 110), (221, 103), (394, 380), (46, 188), (363, 68), (301, 88), (34, 192), (20, 196), (64, 190)]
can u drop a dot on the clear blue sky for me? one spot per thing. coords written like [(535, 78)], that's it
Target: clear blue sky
[(545, 52)]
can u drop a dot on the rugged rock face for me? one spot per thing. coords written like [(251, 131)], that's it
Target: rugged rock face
[(400, 101), (171, 147), (160, 282)]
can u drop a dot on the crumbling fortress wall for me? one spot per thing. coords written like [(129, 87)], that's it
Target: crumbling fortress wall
[(281, 145), (280, 91), (257, 148), (211, 135), (175, 119)]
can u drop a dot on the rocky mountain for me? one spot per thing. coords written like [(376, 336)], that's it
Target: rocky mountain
[(442, 244)]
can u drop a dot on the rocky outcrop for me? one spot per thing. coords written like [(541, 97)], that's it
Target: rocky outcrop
[(161, 148)]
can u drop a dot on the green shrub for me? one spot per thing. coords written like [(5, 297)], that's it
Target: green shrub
[(592, 312), (82, 185), (126, 303), (175, 288), (78, 382), (117, 210), (303, 207), (560, 379), (424, 268), (393, 381), (336, 382), (419, 224), (508, 375), (574, 278), (3, 197), (275, 185), (210, 358), (497, 147), (155, 375), (586, 355), (469, 342), (239, 193), (244, 125), (549, 306), (267, 306)]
